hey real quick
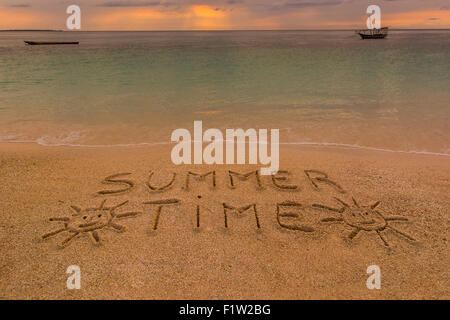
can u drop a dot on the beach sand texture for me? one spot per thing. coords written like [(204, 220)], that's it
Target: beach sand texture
[(291, 236)]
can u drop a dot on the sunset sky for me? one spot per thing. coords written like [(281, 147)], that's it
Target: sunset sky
[(222, 14)]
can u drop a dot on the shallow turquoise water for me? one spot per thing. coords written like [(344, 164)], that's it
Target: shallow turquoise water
[(316, 87)]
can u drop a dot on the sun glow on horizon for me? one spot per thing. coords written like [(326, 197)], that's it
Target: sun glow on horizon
[(210, 17)]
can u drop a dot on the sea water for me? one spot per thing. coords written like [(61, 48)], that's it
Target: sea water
[(317, 87)]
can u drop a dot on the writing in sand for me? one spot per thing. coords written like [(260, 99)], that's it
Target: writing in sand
[(290, 213)]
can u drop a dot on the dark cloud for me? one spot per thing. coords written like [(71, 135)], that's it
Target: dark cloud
[(20, 5), (136, 4), (305, 4)]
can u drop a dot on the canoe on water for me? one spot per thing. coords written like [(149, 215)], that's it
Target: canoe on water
[(36, 43)]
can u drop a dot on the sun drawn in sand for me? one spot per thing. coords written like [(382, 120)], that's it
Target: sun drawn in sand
[(89, 221), (364, 218)]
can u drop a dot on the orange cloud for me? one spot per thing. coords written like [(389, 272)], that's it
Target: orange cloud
[(134, 19), (21, 18), (417, 19), (203, 17), (204, 11), (200, 17), (315, 19)]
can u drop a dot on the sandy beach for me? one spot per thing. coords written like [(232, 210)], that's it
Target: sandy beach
[(184, 236)]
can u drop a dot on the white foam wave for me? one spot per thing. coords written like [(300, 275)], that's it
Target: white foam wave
[(52, 142)]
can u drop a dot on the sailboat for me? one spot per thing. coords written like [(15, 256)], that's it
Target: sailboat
[(373, 33)]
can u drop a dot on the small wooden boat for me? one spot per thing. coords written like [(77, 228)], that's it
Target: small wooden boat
[(42, 43), (373, 33)]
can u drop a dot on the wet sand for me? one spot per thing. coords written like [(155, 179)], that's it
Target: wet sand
[(273, 239)]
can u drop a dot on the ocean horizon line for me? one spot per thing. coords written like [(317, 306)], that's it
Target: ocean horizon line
[(216, 30)]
